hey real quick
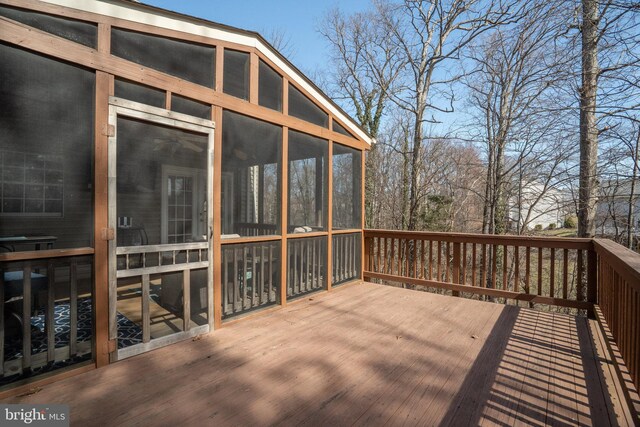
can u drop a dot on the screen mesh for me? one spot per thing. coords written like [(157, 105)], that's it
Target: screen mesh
[(76, 31), (269, 87), (347, 187), (236, 74), (250, 176), (46, 152), (303, 108), (307, 182), (189, 61), (139, 93)]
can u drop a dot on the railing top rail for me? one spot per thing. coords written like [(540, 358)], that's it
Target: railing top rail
[(509, 240), (47, 253), (623, 260)]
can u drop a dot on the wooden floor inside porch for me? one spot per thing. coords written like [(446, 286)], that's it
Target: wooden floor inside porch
[(368, 355)]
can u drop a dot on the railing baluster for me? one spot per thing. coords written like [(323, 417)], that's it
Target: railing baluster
[(494, 266), (505, 265), (225, 282), (516, 275), (580, 296), (447, 263), (527, 271), (26, 317), (422, 267), (236, 284), (393, 256), (430, 259), (552, 273), (186, 300), (473, 264), (50, 317), (73, 307), (565, 273), (439, 261), (146, 315), (463, 279), (540, 270), (245, 280), (484, 265)]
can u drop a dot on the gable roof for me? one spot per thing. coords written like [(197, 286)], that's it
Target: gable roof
[(151, 15)]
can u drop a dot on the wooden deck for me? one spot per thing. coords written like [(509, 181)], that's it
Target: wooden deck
[(367, 355)]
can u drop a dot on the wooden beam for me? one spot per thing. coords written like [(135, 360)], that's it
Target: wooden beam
[(329, 214), (101, 221), (57, 47), (284, 203), (253, 77), (216, 257)]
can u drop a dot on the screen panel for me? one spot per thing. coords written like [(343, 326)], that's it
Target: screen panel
[(269, 87), (70, 29), (189, 61), (347, 187), (307, 182), (251, 176), (139, 93), (236, 74), (46, 152), (303, 108)]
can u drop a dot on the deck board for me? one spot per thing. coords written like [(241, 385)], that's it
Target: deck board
[(364, 354)]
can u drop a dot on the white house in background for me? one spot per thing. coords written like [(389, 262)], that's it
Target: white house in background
[(536, 205), (613, 209)]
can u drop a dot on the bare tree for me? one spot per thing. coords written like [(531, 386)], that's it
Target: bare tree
[(518, 109), (366, 66), (432, 36)]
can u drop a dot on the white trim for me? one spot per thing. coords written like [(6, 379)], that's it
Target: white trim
[(130, 12)]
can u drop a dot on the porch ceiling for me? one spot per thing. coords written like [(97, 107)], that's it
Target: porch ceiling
[(364, 354)]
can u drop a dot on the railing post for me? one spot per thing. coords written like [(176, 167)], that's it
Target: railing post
[(456, 267), (592, 278), (366, 251)]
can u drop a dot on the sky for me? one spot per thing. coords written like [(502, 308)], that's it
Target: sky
[(297, 19)]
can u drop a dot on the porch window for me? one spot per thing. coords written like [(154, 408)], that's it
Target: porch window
[(251, 176), (307, 183)]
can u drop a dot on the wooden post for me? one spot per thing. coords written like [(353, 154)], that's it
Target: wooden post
[(592, 278), (329, 207), (284, 206), (104, 88), (216, 257), (456, 267)]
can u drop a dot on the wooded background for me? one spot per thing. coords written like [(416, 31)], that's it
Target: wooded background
[(472, 102)]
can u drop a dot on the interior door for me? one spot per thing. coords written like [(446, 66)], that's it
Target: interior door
[(160, 195)]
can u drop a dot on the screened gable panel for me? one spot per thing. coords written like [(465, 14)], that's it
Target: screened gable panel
[(269, 87), (303, 108), (76, 31), (189, 61), (236, 74)]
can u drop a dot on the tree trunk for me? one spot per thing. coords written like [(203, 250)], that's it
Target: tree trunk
[(588, 192)]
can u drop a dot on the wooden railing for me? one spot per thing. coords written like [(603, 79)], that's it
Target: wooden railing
[(550, 271), (345, 257), (619, 301), (306, 265), (250, 276), (45, 313), (595, 275)]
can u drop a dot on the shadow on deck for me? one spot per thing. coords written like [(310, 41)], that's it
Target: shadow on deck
[(365, 354)]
